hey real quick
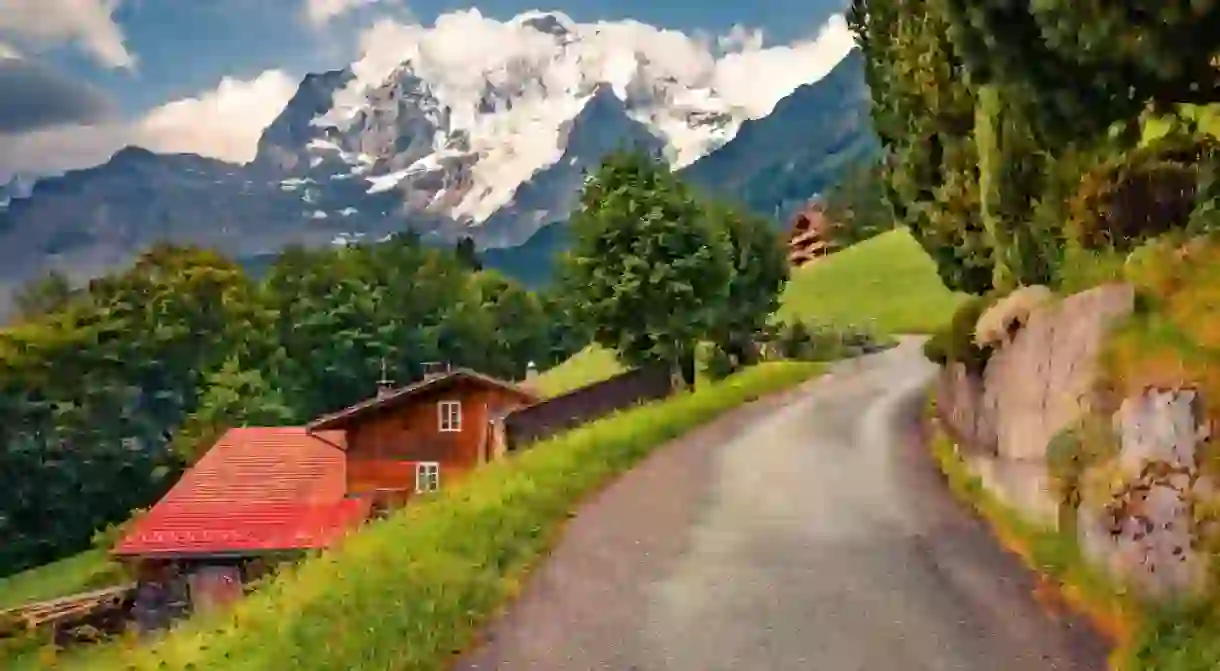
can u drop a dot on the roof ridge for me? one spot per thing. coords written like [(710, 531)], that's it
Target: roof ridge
[(328, 419)]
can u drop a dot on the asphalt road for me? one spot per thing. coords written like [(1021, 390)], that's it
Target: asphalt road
[(806, 531)]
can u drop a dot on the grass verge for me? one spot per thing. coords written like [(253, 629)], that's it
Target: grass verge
[(1053, 555), (411, 591)]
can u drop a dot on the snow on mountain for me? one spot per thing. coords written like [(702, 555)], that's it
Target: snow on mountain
[(20, 186), (456, 118), (471, 126)]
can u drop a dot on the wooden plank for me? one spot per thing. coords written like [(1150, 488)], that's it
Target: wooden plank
[(66, 608)]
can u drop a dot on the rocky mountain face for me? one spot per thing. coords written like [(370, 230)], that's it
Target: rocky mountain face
[(501, 162), (773, 166)]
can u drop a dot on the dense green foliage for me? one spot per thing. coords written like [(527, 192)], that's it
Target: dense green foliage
[(759, 273), (993, 113), (421, 583), (1084, 65), (1093, 146), (856, 204), (105, 398), (654, 270), (924, 115)]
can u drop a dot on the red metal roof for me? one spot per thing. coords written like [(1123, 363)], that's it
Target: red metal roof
[(217, 529), (265, 488)]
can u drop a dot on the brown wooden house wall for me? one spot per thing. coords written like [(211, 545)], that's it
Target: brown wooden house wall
[(586, 404), (382, 449)]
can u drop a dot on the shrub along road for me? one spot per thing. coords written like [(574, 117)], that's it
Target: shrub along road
[(806, 531)]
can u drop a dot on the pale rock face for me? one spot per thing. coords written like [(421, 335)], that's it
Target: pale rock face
[(1145, 534)]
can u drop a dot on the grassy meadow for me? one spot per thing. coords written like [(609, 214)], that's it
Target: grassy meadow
[(887, 283)]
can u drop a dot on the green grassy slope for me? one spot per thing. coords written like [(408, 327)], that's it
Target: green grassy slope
[(589, 365), (888, 279)]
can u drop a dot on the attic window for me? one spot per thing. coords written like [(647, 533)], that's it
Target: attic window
[(449, 415)]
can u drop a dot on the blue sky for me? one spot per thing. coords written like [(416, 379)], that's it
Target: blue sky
[(102, 60)]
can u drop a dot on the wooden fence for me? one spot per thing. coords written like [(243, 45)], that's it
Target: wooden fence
[(586, 404)]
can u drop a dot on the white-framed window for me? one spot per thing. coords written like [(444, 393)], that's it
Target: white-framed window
[(449, 414), (427, 477)]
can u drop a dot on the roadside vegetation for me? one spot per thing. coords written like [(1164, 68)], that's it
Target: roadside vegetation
[(417, 586), (1053, 554), (1021, 154)]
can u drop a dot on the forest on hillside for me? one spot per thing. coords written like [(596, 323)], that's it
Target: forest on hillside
[(107, 391)]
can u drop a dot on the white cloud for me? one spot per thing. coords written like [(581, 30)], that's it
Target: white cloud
[(464, 50), (8, 51), (223, 123), (737, 75), (88, 24), (741, 38), (322, 12)]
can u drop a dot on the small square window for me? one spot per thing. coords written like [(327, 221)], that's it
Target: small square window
[(427, 477), (450, 415)]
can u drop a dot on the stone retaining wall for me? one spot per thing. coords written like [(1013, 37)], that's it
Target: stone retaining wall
[(1136, 519)]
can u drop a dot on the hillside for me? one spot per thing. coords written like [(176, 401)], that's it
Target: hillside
[(887, 282)]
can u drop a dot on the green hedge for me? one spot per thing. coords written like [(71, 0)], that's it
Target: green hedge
[(955, 342), (410, 591)]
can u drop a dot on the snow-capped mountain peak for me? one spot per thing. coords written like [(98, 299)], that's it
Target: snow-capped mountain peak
[(456, 127)]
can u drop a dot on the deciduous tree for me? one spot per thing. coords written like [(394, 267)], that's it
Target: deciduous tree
[(759, 275), (649, 271)]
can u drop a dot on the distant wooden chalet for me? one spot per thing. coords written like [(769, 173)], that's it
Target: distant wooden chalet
[(269, 491), (811, 236)]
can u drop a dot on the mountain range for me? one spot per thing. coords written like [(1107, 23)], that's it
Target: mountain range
[(501, 162)]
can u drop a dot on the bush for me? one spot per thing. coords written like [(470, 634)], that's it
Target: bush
[(955, 343), (936, 348), (719, 363), (796, 341), (1136, 196)]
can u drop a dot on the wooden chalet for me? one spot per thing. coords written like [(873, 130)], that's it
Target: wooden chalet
[(272, 492), (810, 237), (411, 440)]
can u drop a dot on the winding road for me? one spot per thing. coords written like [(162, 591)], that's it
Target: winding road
[(805, 531)]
